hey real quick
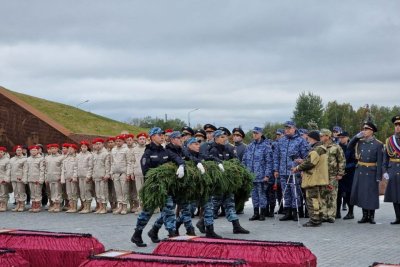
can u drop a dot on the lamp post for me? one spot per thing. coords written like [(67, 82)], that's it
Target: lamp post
[(83, 102), (189, 115)]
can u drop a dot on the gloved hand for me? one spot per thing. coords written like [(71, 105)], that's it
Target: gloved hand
[(201, 168), (181, 171), (386, 176), (360, 134), (221, 167)]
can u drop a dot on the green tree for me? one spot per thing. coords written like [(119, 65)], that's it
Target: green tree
[(149, 122), (342, 115), (308, 108)]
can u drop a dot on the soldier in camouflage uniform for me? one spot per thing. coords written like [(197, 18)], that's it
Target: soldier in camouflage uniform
[(315, 177), (336, 166), (4, 178)]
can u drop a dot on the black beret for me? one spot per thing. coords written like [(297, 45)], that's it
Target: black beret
[(314, 135), (396, 118), (201, 132), (371, 125), (343, 134), (187, 129), (227, 132), (238, 131), (209, 126)]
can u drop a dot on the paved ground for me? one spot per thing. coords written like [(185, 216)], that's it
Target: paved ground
[(344, 243)]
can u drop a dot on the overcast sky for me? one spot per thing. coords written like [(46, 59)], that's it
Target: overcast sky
[(239, 62)]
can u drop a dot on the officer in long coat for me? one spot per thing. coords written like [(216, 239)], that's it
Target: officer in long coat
[(391, 168), (368, 173)]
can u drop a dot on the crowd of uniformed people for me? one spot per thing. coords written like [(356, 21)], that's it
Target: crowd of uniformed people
[(300, 173)]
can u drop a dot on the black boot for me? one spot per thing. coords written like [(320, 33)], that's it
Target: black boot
[(262, 214), (301, 211), (153, 234), (288, 215), (200, 225), (190, 231), (372, 217), (396, 207), (294, 212), (364, 218), (172, 233), (256, 215), (350, 214), (210, 232), (237, 229), (177, 225), (271, 211), (137, 238)]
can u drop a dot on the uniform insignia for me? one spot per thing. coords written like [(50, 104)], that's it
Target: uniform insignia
[(154, 156)]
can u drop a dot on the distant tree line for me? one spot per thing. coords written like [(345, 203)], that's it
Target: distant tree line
[(309, 113)]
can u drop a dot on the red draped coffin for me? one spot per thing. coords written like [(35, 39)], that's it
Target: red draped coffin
[(128, 259), (51, 249), (9, 258), (255, 252), (376, 264)]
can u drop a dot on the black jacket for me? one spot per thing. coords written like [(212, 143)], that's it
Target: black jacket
[(220, 153)]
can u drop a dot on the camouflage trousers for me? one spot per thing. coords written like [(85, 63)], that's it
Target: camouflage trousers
[(167, 217), (228, 202), (313, 201), (328, 202)]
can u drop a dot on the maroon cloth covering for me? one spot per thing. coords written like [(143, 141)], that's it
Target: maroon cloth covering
[(376, 264), (255, 252), (127, 259), (10, 258), (51, 249)]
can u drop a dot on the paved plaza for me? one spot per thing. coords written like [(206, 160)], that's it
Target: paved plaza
[(344, 243)]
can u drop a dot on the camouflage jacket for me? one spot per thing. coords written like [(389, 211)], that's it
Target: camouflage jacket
[(336, 162)]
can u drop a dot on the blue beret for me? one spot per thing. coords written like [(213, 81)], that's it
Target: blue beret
[(337, 129), (280, 131), (257, 129), (192, 140), (218, 133), (175, 134), (303, 131), (155, 130), (290, 124)]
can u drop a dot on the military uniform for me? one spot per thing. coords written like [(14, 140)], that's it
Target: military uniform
[(69, 177), (35, 178), (101, 175), (258, 160), (120, 166), (368, 173), (391, 167), (138, 152), (315, 178), (85, 174), (53, 167), (336, 165), (4, 180), (18, 180), (154, 156), (286, 150)]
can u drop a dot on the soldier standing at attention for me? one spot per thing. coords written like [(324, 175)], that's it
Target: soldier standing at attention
[(138, 152), (101, 174), (155, 155), (53, 166), (110, 144), (391, 168), (336, 165), (4, 178), (369, 153), (18, 178), (120, 166), (258, 160), (35, 177), (133, 193), (69, 177), (85, 173)]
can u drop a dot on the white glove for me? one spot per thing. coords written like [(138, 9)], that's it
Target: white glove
[(360, 134), (221, 167), (386, 176), (201, 168), (181, 171)]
